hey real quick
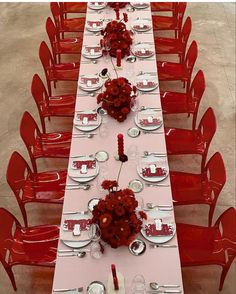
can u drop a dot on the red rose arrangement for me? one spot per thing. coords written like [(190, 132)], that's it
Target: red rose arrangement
[(117, 4), (116, 215), (118, 37), (118, 98)]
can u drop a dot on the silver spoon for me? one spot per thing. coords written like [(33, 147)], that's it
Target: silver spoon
[(146, 153), (156, 286)]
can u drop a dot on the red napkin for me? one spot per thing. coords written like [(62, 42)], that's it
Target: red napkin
[(93, 80), (89, 163), (146, 53), (151, 231), (149, 85), (146, 172), (89, 116), (145, 122), (84, 224), (91, 23)]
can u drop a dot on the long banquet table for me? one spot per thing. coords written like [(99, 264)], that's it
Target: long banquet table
[(160, 264)]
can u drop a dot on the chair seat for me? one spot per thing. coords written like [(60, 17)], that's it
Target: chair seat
[(188, 188), (174, 102), (73, 25), (45, 187), (181, 141), (198, 247), (69, 46), (26, 250), (164, 22), (171, 71), (53, 145), (168, 46)]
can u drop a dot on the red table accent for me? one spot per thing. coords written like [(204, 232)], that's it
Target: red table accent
[(118, 57)]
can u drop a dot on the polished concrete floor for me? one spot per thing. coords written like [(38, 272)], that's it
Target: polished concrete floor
[(22, 28)]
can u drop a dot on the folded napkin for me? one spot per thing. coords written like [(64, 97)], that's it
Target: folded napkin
[(141, 26), (89, 81), (70, 223), (89, 163), (88, 116), (153, 171), (158, 229), (146, 84), (143, 52), (97, 23)]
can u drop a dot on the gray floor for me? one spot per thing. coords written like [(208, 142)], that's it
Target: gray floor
[(21, 31)]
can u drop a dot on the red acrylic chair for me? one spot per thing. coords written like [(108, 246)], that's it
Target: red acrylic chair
[(72, 7), (62, 46), (175, 102), (170, 23), (209, 245), (175, 46), (163, 6), (183, 141), (204, 188), (56, 72), (72, 25), (50, 145), (29, 187), (35, 245), (171, 71), (58, 106)]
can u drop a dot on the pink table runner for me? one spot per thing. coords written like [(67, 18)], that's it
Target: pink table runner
[(161, 265)]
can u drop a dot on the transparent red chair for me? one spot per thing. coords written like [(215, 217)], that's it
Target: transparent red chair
[(29, 187), (56, 106), (170, 23), (62, 46), (209, 245), (35, 245), (56, 72), (183, 141), (72, 7), (203, 188), (175, 102), (172, 71), (50, 145), (175, 46), (71, 25), (163, 6)]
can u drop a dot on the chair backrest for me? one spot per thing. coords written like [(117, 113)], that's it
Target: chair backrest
[(185, 32), (18, 172), (227, 226), (57, 15), (8, 224), (191, 57), (30, 133), (195, 94), (215, 175), (53, 36), (207, 127), (41, 98)]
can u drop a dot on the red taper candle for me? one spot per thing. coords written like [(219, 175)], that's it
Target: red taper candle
[(120, 138), (118, 57), (115, 280)]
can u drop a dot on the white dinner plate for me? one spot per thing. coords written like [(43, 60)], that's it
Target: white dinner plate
[(142, 25), (79, 243), (147, 113), (149, 160), (75, 174), (87, 128), (156, 214)]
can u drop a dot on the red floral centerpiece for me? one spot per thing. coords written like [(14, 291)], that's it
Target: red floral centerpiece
[(117, 4), (116, 215), (118, 98), (118, 37)]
